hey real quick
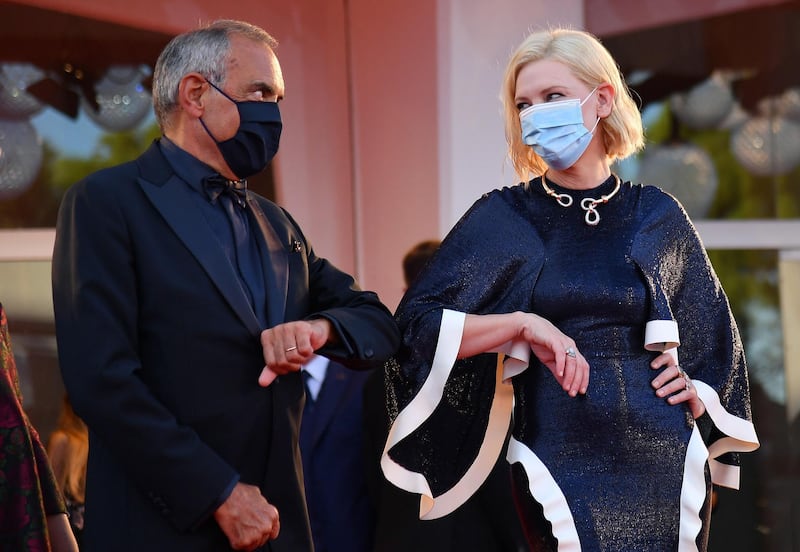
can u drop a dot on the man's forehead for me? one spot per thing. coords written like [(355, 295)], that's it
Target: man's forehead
[(255, 62)]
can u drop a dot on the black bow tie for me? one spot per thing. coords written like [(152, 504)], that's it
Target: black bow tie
[(216, 184)]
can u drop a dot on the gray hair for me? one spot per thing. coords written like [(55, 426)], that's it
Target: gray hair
[(203, 51)]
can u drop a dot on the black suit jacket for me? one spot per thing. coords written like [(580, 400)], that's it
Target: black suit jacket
[(332, 448), (160, 353)]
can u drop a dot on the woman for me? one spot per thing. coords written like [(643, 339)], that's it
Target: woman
[(68, 449), (597, 278), (32, 512)]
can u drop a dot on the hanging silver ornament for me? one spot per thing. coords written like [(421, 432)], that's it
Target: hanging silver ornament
[(684, 170), (767, 145), (20, 157), (15, 101), (122, 100), (706, 105)]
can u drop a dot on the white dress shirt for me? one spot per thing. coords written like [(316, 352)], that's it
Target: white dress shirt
[(316, 369)]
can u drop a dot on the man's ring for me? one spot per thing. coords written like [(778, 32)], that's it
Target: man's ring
[(292, 348), (571, 352)]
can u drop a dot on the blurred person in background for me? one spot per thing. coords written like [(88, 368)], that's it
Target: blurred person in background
[(332, 447), (68, 448), (33, 516)]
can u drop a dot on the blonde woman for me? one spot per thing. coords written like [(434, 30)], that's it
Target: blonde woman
[(593, 297)]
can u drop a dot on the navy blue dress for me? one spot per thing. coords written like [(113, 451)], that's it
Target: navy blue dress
[(617, 452), (618, 469)]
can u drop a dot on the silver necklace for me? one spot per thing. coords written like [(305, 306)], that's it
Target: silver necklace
[(588, 204)]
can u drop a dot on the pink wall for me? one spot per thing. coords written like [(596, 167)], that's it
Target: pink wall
[(314, 170), (168, 16), (359, 160), (618, 16), (395, 114)]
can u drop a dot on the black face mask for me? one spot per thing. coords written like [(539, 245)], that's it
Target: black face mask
[(256, 141)]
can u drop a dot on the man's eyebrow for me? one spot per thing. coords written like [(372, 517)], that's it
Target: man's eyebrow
[(267, 88)]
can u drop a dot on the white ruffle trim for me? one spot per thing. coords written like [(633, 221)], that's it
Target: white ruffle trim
[(740, 436), (420, 409), (693, 493), (547, 493)]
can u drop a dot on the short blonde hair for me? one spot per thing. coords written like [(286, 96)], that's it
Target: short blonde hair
[(590, 62)]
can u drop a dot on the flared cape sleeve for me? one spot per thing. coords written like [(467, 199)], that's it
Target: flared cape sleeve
[(444, 443), (691, 318)]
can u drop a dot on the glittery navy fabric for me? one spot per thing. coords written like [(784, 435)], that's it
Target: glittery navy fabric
[(618, 452)]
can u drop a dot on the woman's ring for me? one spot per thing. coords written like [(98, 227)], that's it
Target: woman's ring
[(571, 352), (292, 348), (681, 373)]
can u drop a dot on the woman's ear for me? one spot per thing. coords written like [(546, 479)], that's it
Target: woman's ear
[(605, 100), (190, 94)]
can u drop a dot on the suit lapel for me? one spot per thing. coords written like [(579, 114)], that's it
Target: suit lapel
[(172, 198)]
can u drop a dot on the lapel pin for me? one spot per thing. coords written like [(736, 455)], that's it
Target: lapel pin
[(297, 247)]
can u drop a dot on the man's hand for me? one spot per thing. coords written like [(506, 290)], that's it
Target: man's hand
[(288, 346), (247, 519)]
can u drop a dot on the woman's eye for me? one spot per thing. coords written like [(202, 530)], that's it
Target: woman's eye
[(522, 105), (553, 96)]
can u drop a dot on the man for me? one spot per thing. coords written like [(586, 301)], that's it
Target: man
[(332, 447), (185, 307)]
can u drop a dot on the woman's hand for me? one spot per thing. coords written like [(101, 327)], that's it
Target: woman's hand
[(557, 351), (675, 385), (486, 332)]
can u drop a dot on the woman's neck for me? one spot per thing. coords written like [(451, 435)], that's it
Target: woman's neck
[(581, 176)]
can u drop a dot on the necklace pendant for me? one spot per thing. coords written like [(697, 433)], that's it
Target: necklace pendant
[(564, 200), (592, 217)]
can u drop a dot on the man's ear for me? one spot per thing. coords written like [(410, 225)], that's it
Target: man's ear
[(191, 89), (605, 100)]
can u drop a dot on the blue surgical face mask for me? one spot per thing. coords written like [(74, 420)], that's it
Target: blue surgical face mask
[(556, 132), (256, 141)]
